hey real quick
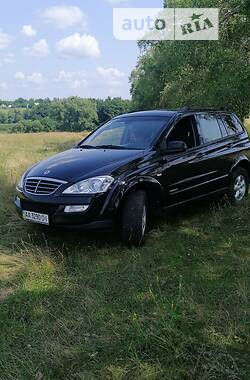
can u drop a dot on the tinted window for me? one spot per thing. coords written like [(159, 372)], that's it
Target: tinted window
[(232, 124), (128, 132), (237, 123), (112, 135), (209, 128), (222, 128), (184, 131)]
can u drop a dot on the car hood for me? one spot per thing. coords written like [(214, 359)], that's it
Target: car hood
[(78, 164)]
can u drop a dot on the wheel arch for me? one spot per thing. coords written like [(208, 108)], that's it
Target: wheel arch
[(244, 163), (153, 189)]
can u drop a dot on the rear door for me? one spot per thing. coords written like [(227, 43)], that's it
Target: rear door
[(236, 143), (214, 136)]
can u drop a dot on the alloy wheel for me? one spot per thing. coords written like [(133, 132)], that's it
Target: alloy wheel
[(240, 187)]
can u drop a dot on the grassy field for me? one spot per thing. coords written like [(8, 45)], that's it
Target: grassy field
[(81, 306)]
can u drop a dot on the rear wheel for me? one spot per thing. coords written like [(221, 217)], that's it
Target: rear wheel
[(134, 218), (239, 185)]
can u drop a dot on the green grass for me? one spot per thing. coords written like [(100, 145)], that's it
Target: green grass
[(77, 305)]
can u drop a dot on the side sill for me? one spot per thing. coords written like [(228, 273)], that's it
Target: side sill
[(220, 191)]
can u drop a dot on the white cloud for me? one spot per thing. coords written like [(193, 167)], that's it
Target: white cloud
[(110, 76), (28, 31), (79, 46), (63, 16), (3, 86), (34, 78), (72, 79), (101, 79), (19, 76), (109, 73), (5, 40), (39, 49), (8, 58)]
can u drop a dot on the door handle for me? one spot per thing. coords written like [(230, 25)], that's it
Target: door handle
[(163, 160), (200, 155)]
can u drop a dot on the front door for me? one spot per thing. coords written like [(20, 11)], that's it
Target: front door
[(184, 175)]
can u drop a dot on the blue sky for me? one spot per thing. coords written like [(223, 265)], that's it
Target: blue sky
[(64, 48)]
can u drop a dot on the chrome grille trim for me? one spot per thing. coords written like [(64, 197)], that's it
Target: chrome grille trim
[(42, 185)]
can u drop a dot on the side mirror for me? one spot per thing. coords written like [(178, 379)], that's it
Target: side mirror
[(173, 147)]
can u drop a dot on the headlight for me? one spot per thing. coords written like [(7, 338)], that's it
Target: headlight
[(93, 185), (21, 182)]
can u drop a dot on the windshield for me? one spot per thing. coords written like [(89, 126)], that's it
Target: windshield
[(127, 133)]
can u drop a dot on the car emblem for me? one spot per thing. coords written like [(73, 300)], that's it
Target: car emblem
[(46, 172)]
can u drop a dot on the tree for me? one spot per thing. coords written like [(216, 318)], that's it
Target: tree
[(27, 126), (74, 114), (198, 73), (71, 114), (110, 108)]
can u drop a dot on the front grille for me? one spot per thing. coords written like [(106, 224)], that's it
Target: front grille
[(42, 186)]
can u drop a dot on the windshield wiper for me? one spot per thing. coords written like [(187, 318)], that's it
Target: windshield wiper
[(110, 146), (87, 147)]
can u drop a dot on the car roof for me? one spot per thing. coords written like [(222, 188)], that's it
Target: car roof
[(168, 113), (171, 113)]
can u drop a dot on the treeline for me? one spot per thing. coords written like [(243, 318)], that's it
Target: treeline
[(70, 114), (171, 74)]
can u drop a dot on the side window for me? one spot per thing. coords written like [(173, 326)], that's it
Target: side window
[(209, 128), (222, 127), (184, 131), (232, 124), (237, 123)]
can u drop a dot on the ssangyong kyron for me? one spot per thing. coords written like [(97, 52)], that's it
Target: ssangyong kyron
[(136, 164)]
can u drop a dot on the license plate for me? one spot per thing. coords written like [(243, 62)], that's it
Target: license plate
[(36, 217)]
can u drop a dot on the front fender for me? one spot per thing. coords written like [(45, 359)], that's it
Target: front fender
[(150, 184)]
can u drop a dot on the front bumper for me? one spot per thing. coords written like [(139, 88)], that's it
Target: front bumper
[(96, 216)]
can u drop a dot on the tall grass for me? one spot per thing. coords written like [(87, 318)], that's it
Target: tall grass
[(77, 305)]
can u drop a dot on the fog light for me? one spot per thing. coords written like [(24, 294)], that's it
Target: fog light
[(18, 202), (79, 208)]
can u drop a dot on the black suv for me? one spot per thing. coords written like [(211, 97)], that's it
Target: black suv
[(135, 164)]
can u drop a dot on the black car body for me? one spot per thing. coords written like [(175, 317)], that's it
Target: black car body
[(189, 154)]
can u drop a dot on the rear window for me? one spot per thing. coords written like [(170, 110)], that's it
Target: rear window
[(232, 124), (209, 128)]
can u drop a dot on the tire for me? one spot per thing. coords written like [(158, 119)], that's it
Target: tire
[(134, 217), (239, 186)]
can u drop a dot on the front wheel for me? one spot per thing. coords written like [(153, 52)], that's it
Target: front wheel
[(239, 185), (134, 218)]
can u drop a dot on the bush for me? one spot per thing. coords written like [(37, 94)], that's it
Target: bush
[(27, 126)]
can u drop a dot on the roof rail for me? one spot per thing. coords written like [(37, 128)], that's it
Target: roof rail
[(187, 108), (132, 111), (153, 109)]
